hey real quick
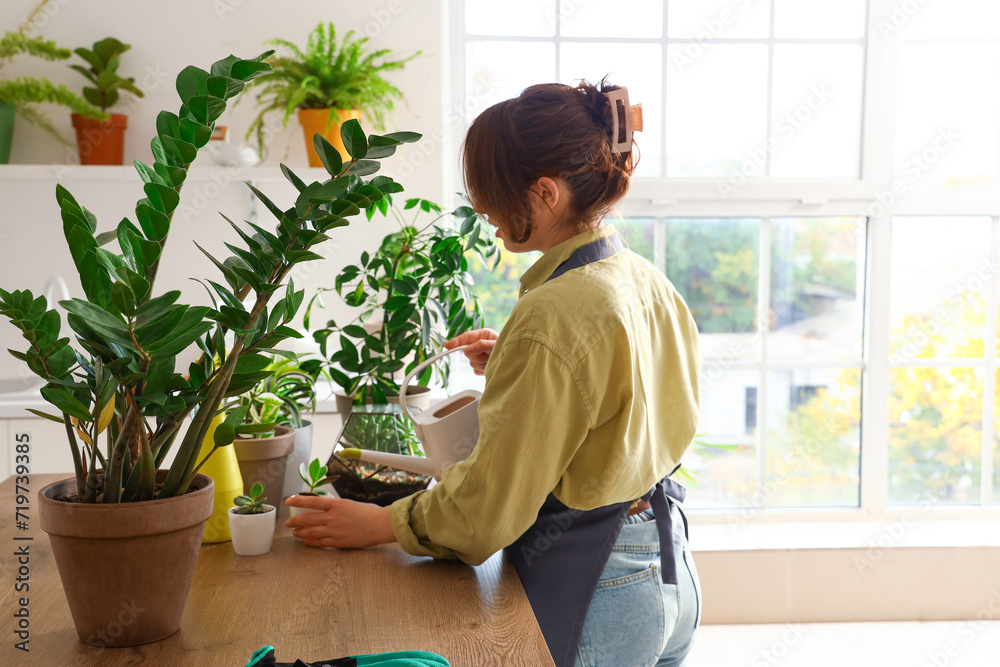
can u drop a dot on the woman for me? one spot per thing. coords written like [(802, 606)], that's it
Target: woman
[(590, 400)]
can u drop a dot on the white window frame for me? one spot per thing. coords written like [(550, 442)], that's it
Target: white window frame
[(770, 198)]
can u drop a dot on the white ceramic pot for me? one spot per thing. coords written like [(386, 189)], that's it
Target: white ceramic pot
[(295, 511), (252, 533)]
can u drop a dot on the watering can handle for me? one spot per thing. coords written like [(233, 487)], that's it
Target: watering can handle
[(406, 380)]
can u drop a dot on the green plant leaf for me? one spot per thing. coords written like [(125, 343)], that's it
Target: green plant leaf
[(354, 139), (405, 137), (64, 399), (224, 434), (328, 155), (365, 167), (192, 82), (205, 109)]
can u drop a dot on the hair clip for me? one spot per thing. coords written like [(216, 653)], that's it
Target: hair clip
[(625, 119)]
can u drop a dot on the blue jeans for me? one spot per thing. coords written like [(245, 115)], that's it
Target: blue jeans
[(635, 620)]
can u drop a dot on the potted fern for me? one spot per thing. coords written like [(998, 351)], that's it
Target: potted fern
[(103, 142), (326, 83), (117, 390), (21, 95)]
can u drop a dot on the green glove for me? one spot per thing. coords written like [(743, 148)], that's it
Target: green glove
[(264, 657)]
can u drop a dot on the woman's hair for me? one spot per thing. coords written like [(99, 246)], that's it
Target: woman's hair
[(553, 130)]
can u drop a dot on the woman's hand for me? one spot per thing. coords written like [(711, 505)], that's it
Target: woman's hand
[(344, 524), (480, 346)]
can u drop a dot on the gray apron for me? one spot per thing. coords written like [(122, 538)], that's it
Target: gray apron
[(561, 557)]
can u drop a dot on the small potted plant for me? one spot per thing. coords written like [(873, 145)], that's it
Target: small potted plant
[(327, 83), (20, 96), (103, 141), (251, 523), (314, 475), (293, 383), (262, 452)]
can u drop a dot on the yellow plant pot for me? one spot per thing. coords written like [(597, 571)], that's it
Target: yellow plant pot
[(315, 121), (224, 469)]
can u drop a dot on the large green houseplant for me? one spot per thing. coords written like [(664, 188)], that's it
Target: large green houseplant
[(327, 83), (129, 338), (21, 95), (412, 294)]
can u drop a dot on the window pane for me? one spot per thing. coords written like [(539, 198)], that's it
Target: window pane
[(954, 19), (946, 128), (817, 288), (611, 18), (813, 438), (816, 110), (635, 66), (637, 234), (713, 264), (716, 109), (937, 305), (510, 17), (718, 19), (820, 19), (497, 71), (934, 435), (497, 290), (722, 460)]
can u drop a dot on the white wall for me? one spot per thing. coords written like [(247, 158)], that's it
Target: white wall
[(165, 38)]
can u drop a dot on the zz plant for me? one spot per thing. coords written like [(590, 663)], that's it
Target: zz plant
[(418, 284), (129, 336)]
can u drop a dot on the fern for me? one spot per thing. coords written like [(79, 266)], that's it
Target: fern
[(12, 44), (24, 92), (326, 75)]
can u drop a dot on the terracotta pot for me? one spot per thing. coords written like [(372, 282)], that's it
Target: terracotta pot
[(100, 141), (252, 533), (126, 568), (315, 121), (6, 131), (417, 396), (264, 460)]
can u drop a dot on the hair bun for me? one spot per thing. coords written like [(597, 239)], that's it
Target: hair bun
[(597, 103)]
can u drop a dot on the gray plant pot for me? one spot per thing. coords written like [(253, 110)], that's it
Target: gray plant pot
[(302, 453)]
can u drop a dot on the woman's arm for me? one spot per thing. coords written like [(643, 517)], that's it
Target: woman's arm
[(344, 524)]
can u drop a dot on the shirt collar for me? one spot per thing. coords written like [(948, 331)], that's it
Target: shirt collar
[(557, 254)]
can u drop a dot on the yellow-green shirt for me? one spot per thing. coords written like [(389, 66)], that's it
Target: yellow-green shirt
[(591, 395)]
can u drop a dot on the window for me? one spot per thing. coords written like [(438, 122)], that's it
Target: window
[(819, 180)]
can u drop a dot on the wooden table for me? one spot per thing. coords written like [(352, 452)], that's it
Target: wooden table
[(309, 603)]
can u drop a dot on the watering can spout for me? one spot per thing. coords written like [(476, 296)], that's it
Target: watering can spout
[(414, 464)]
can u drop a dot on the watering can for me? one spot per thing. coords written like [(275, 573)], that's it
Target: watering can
[(448, 430)]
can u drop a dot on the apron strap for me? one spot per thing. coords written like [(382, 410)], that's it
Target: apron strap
[(657, 497), (585, 254)]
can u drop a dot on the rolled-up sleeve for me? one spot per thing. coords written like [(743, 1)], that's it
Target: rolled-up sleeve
[(532, 420)]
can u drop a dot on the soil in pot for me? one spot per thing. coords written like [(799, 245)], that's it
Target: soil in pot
[(372, 483), (125, 605), (101, 141), (264, 460), (252, 534)]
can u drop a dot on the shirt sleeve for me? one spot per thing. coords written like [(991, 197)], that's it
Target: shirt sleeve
[(532, 420)]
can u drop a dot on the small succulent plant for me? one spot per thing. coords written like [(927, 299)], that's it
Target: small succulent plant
[(314, 475), (253, 503)]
